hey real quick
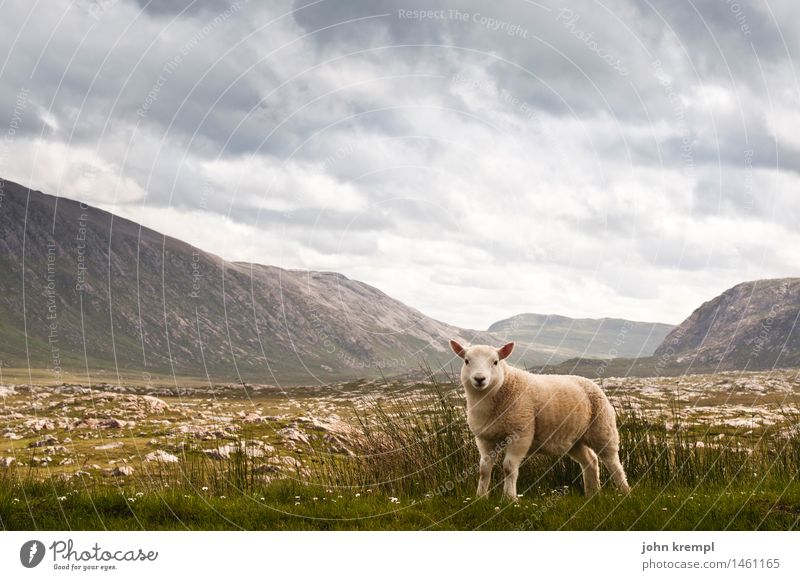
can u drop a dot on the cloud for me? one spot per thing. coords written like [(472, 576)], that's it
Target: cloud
[(472, 160)]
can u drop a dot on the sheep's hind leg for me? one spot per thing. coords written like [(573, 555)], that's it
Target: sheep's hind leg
[(486, 465), (587, 459), (610, 458)]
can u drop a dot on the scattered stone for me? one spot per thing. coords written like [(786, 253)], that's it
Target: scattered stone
[(293, 435), (40, 424), (161, 457), (253, 418), (53, 449), (248, 448), (114, 445), (46, 440), (66, 461), (107, 423), (122, 471), (7, 461), (207, 433)]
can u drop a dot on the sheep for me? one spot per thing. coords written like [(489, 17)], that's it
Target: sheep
[(512, 409)]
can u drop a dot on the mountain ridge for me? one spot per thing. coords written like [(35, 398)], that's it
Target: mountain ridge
[(81, 285), (605, 337), (752, 325)]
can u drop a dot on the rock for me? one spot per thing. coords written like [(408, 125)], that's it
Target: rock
[(122, 471), (249, 448), (46, 440), (7, 461), (41, 461), (66, 461), (154, 404), (53, 449), (294, 435), (95, 423), (114, 445), (279, 464), (39, 424), (206, 433), (144, 405), (253, 418), (161, 457), (113, 423), (291, 462), (11, 435)]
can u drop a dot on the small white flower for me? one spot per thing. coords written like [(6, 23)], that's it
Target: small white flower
[(358, 495), (62, 498), (204, 488), (394, 500)]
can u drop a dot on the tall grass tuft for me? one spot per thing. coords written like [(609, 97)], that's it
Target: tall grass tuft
[(421, 445)]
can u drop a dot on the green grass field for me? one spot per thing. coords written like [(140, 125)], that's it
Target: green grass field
[(294, 506)]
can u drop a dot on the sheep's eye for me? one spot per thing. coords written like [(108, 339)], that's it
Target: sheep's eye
[(466, 362), (495, 363)]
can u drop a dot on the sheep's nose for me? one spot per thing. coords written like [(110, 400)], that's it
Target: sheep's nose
[(479, 379)]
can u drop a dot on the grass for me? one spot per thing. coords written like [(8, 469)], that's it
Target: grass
[(288, 505), (413, 465)]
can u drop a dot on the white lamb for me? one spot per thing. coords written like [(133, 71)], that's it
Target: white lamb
[(514, 410)]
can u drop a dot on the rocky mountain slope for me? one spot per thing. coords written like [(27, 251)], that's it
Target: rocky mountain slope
[(754, 325), (80, 287), (584, 337)]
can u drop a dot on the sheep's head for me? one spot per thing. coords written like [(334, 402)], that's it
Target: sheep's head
[(482, 368)]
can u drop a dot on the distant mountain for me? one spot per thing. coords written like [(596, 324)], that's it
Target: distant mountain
[(81, 287), (582, 337), (754, 325)]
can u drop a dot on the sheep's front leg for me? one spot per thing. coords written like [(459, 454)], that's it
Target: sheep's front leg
[(515, 453), (486, 465)]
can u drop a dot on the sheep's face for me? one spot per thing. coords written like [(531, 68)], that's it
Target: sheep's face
[(482, 369)]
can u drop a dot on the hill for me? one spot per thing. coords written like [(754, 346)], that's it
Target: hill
[(583, 337), (81, 287), (753, 325)]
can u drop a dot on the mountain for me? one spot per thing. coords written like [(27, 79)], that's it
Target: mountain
[(754, 325), (82, 288), (583, 337)]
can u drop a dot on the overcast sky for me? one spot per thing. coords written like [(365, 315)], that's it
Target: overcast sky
[(475, 160)]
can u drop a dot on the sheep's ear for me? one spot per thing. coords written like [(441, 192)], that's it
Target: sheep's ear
[(505, 350), (457, 348)]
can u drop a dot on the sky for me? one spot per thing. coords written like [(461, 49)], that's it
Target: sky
[(474, 160)]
